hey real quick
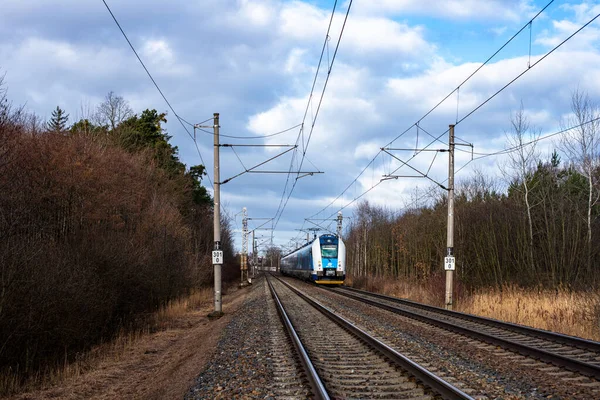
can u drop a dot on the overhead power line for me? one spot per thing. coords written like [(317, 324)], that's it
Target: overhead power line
[(436, 138), (158, 88), (529, 67), (198, 123), (497, 153), (314, 119), (300, 132), (518, 147), (251, 137), (416, 124), (482, 155)]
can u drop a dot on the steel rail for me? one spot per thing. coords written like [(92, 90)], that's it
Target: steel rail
[(556, 359), (432, 381), (318, 389), (540, 333)]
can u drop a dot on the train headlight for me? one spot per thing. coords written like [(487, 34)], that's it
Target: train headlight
[(319, 264)]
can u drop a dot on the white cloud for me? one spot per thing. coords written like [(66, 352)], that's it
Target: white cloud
[(256, 13), (423, 92), (254, 61), (363, 35), (511, 10), (295, 63), (366, 150), (586, 39), (44, 53), (375, 35), (43, 72), (583, 11), (160, 55), (303, 21)]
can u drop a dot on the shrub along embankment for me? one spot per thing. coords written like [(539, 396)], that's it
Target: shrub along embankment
[(92, 237)]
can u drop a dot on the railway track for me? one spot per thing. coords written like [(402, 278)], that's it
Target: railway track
[(574, 354), (290, 381), (342, 361)]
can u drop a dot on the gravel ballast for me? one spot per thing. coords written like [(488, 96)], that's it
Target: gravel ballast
[(254, 359)]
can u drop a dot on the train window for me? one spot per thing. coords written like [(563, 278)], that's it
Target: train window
[(329, 251)]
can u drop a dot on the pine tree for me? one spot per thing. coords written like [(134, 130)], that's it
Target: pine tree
[(58, 122)]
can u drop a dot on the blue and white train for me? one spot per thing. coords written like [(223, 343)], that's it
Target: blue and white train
[(323, 261)]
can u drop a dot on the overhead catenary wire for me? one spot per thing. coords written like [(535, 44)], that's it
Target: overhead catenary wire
[(158, 88), (283, 205), (548, 136), (301, 131), (330, 66), (529, 68), (198, 123), (251, 137), (485, 155), (474, 72), (417, 123), (168, 103), (436, 138)]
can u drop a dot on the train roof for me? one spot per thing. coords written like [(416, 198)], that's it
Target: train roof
[(325, 235)]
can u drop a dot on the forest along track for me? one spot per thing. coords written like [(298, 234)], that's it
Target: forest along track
[(575, 354), (348, 362)]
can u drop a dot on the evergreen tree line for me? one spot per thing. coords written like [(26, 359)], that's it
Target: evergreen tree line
[(100, 224), (535, 226)]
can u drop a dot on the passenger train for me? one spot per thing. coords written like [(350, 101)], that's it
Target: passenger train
[(323, 261)]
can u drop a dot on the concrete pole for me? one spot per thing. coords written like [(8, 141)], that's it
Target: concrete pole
[(339, 224), (217, 220), (449, 261)]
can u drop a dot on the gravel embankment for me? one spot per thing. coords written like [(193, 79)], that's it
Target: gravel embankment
[(253, 358), (479, 369)]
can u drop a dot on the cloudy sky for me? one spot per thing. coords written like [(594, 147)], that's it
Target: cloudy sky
[(255, 61)]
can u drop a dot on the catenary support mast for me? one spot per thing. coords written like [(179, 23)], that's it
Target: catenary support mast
[(244, 255), (217, 250), (449, 263)]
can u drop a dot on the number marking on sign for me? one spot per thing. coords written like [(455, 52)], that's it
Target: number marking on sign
[(217, 256), (449, 263)]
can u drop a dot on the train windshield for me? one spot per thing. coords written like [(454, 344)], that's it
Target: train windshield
[(329, 251)]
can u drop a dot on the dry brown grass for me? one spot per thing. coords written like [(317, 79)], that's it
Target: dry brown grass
[(568, 312), (561, 310), (177, 308), (164, 319), (397, 288)]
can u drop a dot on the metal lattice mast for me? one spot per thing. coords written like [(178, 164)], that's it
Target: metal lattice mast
[(244, 257), (253, 255)]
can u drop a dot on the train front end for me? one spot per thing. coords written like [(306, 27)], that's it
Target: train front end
[(329, 260)]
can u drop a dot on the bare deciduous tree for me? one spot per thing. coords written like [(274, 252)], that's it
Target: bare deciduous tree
[(582, 146), (114, 110), (522, 162)]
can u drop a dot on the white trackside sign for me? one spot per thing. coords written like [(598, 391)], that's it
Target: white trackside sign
[(217, 256), (449, 263)]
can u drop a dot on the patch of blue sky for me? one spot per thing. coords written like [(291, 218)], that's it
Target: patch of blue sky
[(459, 41), (476, 42)]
